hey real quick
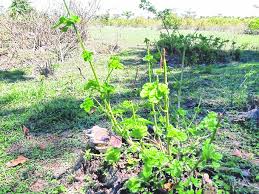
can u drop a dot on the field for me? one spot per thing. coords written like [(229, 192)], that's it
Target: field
[(50, 108)]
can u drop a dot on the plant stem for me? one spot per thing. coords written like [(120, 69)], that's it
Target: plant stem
[(181, 80), (109, 75), (179, 95), (166, 99), (133, 112), (106, 102), (79, 37), (149, 64), (156, 125)]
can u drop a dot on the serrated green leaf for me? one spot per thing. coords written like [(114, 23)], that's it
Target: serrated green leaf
[(175, 169), (74, 19), (147, 171), (207, 150), (62, 20), (210, 122), (106, 90), (154, 92), (65, 22), (153, 157), (127, 104), (176, 134), (87, 104), (114, 63), (112, 155), (134, 185), (139, 132), (87, 56), (91, 85), (181, 112), (215, 165), (88, 155), (148, 58)]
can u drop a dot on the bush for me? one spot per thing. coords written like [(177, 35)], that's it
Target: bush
[(171, 154), (19, 8), (253, 26), (199, 49)]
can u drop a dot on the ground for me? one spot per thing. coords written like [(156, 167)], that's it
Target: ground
[(50, 109)]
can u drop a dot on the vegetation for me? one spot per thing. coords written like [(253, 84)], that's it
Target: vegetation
[(254, 25), (19, 8), (198, 48), (179, 120)]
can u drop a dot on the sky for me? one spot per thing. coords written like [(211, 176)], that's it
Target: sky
[(241, 8)]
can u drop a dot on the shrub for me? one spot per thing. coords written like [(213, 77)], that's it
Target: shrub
[(253, 26), (171, 155), (19, 8), (199, 48)]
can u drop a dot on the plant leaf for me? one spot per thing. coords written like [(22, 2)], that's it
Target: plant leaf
[(87, 104), (87, 56), (176, 134), (112, 155), (134, 185), (114, 63)]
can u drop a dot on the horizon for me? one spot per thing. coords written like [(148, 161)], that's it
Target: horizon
[(230, 8)]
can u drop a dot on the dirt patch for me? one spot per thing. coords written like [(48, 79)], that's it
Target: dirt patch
[(39, 185)]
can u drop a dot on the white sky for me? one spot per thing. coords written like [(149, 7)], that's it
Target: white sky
[(241, 8)]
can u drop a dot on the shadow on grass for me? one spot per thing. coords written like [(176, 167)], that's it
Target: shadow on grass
[(133, 57), (13, 76), (249, 55), (59, 115), (221, 87), (54, 116)]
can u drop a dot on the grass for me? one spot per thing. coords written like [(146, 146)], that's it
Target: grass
[(49, 107), (131, 36)]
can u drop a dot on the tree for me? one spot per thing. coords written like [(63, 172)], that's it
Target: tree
[(169, 19), (128, 14), (20, 8)]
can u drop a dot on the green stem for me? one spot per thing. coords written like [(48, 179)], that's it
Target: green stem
[(156, 126), (149, 65), (109, 75), (79, 37), (106, 102), (166, 97), (195, 114), (111, 115), (155, 115), (181, 81), (179, 95), (133, 112)]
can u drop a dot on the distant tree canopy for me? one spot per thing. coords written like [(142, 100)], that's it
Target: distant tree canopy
[(20, 8), (128, 14), (169, 19), (254, 24)]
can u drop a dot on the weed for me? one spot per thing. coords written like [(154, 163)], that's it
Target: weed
[(169, 154)]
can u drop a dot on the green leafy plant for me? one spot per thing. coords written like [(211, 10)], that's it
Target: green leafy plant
[(199, 49), (19, 8), (253, 26), (170, 21), (171, 153)]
